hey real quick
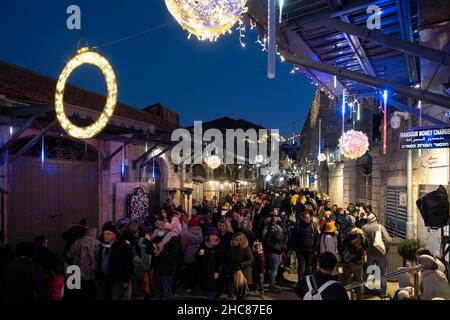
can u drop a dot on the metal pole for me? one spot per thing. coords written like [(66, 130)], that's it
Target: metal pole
[(272, 50), (409, 178)]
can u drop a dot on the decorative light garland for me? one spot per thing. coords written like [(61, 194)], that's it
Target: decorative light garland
[(86, 56), (207, 19), (353, 144)]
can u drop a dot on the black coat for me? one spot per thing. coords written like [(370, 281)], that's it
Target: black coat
[(22, 280), (305, 237), (242, 259), (212, 261), (251, 237), (225, 240), (334, 292), (120, 262), (48, 260), (165, 264), (275, 240)]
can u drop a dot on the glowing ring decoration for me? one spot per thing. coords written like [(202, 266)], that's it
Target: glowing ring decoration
[(206, 19), (85, 56), (321, 157)]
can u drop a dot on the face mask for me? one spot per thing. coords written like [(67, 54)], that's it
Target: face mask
[(160, 234)]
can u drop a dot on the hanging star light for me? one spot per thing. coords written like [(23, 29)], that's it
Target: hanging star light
[(213, 162), (353, 144), (86, 56), (206, 19)]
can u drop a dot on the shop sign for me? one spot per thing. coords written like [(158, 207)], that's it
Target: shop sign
[(428, 138)]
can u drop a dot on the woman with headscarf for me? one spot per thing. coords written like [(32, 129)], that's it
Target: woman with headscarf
[(241, 259)]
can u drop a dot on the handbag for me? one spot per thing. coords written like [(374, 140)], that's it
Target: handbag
[(240, 283), (378, 242)]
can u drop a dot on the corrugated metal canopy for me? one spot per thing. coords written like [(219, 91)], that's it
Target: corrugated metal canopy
[(334, 48)]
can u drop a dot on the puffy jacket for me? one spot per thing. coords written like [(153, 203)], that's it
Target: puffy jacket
[(305, 237), (274, 239), (353, 246), (190, 242)]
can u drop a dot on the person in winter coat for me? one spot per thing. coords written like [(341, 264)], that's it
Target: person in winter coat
[(190, 243), (73, 234), (164, 267), (305, 242), (374, 256), (275, 243), (142, 252), (277, 202), (52, 266), (328, 239), (247, 230), (324, 274), (225, 235), (352, 247), (210, 259), (340, 219), (433, 283), (241, 259), (114, 265), (83, 253), (259, 267), (21, 279)]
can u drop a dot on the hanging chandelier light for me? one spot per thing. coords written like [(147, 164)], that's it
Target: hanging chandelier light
[(213, 162), (353, 144), (206, 19)]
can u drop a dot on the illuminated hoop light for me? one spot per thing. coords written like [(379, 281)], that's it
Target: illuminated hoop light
[(85, 56), (206, 19)]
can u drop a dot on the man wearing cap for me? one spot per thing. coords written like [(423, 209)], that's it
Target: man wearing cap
[(114, 265), (374, 256)]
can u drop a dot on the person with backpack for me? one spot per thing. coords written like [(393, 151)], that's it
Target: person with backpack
[(323, 284), (328, 239), (241, 265), (379, 243), (352, 247), (305, 242)]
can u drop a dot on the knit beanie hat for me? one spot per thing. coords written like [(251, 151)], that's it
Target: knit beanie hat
[(330, 227), (213, 231), (110, 226), (349, 220)]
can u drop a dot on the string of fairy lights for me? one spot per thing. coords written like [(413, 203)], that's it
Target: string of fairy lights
[(207, 20)]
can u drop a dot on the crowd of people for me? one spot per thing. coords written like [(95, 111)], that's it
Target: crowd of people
[(240, 247)]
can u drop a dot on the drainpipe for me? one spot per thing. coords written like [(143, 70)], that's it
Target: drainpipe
[(409, 180)]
